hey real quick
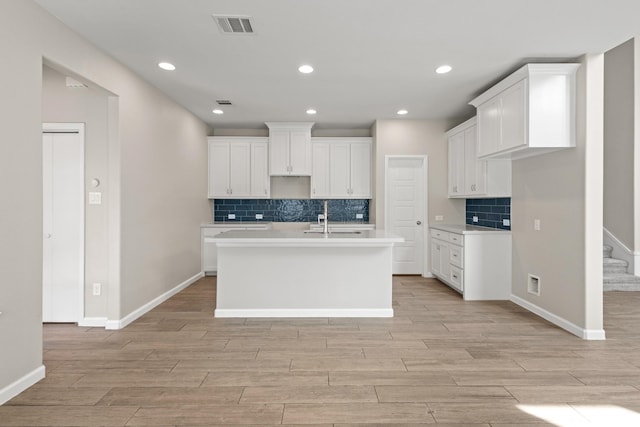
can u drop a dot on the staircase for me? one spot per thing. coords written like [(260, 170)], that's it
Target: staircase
[(615, 276)]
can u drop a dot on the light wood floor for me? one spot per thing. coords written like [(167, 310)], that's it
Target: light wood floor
[(439, 360)]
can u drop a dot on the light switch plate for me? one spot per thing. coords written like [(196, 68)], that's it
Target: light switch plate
[(259, 216), (320, 216), (536, 224), (439, 217), (359, 216), (231, 216), (474, 219), (506, 222), (95, 198)]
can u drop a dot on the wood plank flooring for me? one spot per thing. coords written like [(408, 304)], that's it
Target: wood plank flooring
[(439, 361)]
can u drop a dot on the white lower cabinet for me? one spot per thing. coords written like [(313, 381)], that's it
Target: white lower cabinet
[(477, 264), (208, 247)]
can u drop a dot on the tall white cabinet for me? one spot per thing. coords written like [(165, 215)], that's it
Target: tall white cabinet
[(238, 168), (341, 168), (290, 149), (470, 177)]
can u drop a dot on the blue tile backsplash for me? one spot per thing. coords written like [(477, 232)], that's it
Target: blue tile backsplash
[(490, 212), (289, 210)]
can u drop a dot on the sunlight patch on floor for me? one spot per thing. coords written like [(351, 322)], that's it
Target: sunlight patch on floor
[(584, 415)]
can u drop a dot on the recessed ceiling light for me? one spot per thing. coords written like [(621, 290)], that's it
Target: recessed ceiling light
[(443, 69), (167, 66), (217, 111), (305, 69), (402, 112), (311, 111)]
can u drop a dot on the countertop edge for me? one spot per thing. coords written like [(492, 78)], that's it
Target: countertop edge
[(469, 229)]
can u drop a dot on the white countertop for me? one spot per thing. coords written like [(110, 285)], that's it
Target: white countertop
[(300, 238), (468, 229)]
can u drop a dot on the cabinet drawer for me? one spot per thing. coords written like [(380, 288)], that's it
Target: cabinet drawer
[(455, 256), (456, 239), (438, 234), (456, 277)]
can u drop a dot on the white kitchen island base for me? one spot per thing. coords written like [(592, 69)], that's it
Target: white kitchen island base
[(293, 274)]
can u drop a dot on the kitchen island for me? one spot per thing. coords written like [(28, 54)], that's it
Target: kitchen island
[(275, 273)]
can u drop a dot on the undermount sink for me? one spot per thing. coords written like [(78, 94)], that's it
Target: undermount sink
[(334, 232)]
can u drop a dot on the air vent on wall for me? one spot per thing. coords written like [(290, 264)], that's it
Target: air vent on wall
[(223, 102), (234, 24)]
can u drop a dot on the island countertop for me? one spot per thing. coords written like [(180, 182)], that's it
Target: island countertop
[(305, 239)]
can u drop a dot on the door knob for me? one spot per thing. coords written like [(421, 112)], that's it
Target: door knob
[(419, 222), (47, 235)]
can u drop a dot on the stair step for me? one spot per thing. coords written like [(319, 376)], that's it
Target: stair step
[(621, 282), (606, 251), (614, 266)]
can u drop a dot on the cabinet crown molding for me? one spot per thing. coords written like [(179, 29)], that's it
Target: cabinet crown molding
[(522, 73), (290, 125)]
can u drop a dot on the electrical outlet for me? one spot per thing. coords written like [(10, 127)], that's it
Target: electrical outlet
[(259, 216), (359, 216), (506, 222), (474, 219), (536, 224), (97, 289), (231, 216), (439, 218), (320, 217)]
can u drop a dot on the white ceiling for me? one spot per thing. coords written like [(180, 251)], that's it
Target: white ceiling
[(372, 57)]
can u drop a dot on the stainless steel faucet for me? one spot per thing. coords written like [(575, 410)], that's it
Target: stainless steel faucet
[(325, 230)]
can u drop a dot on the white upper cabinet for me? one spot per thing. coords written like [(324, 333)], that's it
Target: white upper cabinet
[(290, 149), (341, 168), (238, 168), (530, 112), (470, 177)]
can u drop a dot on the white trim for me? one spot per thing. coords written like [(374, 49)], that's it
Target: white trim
[(312, 312), (93, 322), (425, 214), (429, 275), (119, 324), (587, 334), (621, 251), (21, 384), (77, 127)]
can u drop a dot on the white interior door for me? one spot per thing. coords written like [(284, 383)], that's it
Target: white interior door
[(405, 211), (63, 223)]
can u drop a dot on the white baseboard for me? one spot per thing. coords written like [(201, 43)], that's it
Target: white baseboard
[(18, 386), (428, 275), (381, 312), (119, 324), (621, 251), (586, 334), (93, 322)]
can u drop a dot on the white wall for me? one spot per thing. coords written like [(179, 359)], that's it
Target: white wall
[(161, 152), (619, 119), (564, 190)]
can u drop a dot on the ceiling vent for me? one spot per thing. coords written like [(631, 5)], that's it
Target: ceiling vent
[(223, 102), (73, 83), (234, 24)]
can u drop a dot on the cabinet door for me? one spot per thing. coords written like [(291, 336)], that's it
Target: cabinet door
[(218, 170), (513, 117), (489, 127), (436, 258), (300, 153), (475, 172), (239, 169), (445, 266), (360, 164), (339, 180), (456, 165), (260, 183), (279, 153), (320, 171)]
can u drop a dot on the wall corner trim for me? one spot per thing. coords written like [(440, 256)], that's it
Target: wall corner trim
[(585, 334), (21, 384), (121, 323)]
